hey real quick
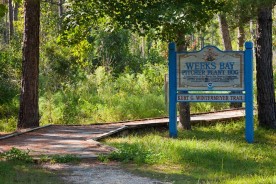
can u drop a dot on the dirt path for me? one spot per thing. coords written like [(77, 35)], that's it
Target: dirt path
[(99, 173)]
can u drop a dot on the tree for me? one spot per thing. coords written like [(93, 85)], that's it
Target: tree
[(265, 83), (29, 112)]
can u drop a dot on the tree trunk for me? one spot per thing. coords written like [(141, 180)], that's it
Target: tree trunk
[(265, 83), (29, 112), (252, 31), (11, 28), (6, 30), (224, 29), (60, 13), (241, 40), (184, 107), (60, 8), (15, 11), (184, 116), (241, 37), (224, 32)]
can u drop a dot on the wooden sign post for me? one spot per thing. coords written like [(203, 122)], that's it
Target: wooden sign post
[(195, 76)]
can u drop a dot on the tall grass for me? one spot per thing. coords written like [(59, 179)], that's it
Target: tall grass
[(215, 154), (101, 97)]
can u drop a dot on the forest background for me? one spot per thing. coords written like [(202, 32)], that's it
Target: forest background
[(93, 69)]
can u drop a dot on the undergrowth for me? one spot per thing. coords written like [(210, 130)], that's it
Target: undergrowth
[(15, 154)]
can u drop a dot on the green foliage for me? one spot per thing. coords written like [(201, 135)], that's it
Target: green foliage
[(168, 18), (9, 87), (50, 22), (103, 158), (3, 10), (9, 72), (8, 90), (135, 153), (101, 97), (7, 124), (112, 50), (58, 159), (216, 154), (202, 107), (17, 155)]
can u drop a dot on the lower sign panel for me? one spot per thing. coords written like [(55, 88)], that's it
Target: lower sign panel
[(210, 97)]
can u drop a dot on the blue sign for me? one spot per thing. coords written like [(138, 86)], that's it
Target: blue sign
[(211, 69)]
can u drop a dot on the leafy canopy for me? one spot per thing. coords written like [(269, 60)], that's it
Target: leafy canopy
[(167, 17)]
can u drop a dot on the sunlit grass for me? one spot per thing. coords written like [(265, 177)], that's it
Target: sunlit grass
[(217, 154)]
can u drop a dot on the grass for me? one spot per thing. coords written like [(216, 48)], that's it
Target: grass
[(17, 166), (21, 172), (217, 154)]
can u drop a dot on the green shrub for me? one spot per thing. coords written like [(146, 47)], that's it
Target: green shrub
[(136, 153), (17, 155), (9, 86)]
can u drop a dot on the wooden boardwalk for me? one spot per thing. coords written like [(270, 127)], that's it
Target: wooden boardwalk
[(82, 141)]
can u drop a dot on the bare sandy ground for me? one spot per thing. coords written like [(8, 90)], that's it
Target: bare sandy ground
[(99, 173)]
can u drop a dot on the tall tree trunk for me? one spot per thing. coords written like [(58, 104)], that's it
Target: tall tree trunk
[(241, 40), (6, 30), (15, 11), (202, 40), (241, 37), (184, 107), (265, 83), (29, 112), (60, 8), (60, 13), (252, 31), (11, 28), (224, 29), (143, 45)]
